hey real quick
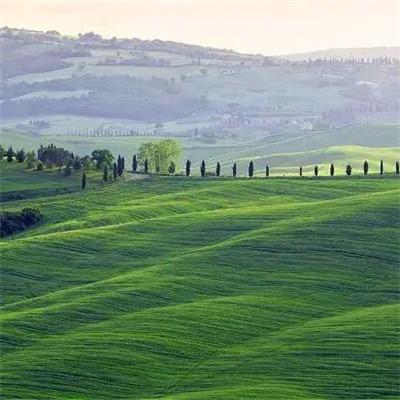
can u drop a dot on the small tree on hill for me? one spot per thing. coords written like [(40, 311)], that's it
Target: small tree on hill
[(251, 169), (30, 159), (146, 165), (187, 169), (20, 156), (234, 170), (331, 171), (10, 154), (218, 169), (115, 171), (83, 182), (134, 163), (68, 169), (348, 170), (105, 173), (381, 167), (397, 168), (101, 158), (301, 171), (172, 168), (365, 167), (316, 170), (77, 164), (203, 168), (267, 171)]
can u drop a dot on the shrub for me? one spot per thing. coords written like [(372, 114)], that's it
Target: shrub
[(39, 166), (12, 222), (30, 159), (172, 168), (20, 156), (10, 154), (68, 169)]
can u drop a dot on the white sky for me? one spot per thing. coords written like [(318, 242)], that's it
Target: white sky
[(264, 26)]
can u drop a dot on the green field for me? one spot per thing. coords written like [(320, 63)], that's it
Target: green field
[(190, 288), (283, 152)]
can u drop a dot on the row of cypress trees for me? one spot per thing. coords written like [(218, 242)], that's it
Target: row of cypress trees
[(119, 167), (250, 169)]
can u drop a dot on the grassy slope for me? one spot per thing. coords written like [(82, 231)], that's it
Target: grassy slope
[(16, 178), (191, 289)]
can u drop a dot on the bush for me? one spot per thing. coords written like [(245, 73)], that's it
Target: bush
[(39, 166), (20, 156), (12, 222)]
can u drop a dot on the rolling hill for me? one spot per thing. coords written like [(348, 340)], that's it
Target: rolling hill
[(87, 90), (189, 288)]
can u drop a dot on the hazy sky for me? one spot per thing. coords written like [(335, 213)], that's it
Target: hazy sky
[(265, 26)]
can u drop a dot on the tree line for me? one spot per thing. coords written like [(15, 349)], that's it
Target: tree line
[(153, 157), (250, 169)]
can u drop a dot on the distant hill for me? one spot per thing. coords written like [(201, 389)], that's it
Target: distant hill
[(366, 52), (91, 87)]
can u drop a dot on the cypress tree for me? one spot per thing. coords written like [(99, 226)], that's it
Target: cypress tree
[(10, 154), (146, 166), (332, 170), (115, 172), (348, 170), (203, 168), (234, 170), (301, 171), (381, 167), (218, 169), (397, 168), (316, 170), (267, 171), (188, 164), (251, 169), (105, 173), (134, 163), (365, 167), (83, 183), (122, 165)]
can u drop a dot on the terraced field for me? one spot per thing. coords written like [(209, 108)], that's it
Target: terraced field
[(190, 288)]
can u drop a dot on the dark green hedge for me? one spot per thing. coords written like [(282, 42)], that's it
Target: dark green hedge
[(13, 222)]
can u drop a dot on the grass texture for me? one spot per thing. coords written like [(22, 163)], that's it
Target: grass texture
[(190, 288)]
